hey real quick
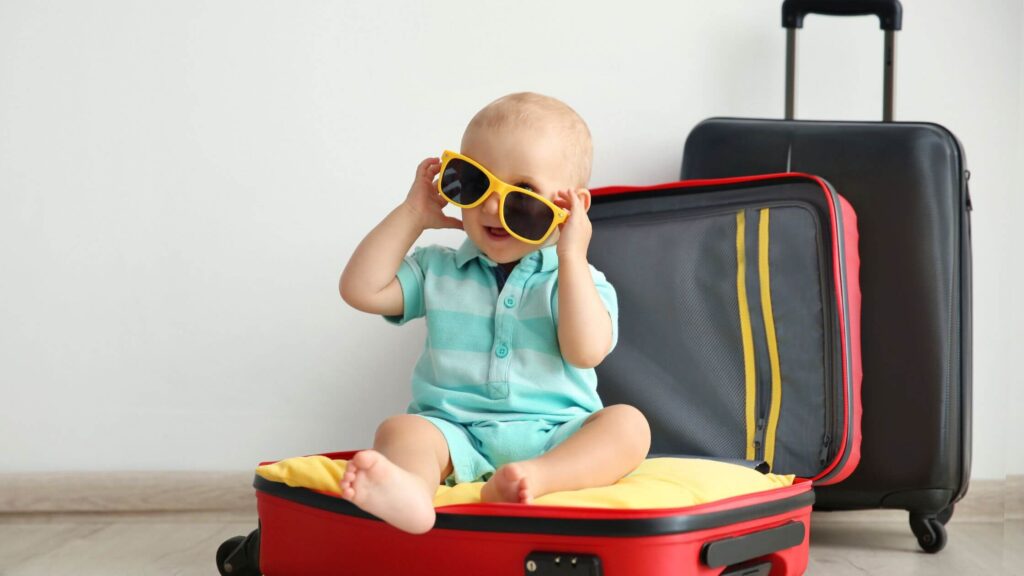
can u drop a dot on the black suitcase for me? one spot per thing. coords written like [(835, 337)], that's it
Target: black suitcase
[(908, 184)]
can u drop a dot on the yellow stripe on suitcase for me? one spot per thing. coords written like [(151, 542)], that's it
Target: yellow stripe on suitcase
[(746, 332), (769, 332)]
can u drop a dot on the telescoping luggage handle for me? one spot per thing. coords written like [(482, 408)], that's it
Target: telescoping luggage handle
[(890, 16)]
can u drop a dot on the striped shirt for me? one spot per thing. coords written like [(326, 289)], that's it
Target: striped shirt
[(493, 355)]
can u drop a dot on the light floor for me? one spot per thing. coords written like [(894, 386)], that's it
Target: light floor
[(184, 543)]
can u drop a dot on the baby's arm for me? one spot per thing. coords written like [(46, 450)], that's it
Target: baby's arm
[(369, 282), (584, 325)]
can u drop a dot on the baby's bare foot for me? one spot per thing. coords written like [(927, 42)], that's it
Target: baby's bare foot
[(510, 483), (381, 488)]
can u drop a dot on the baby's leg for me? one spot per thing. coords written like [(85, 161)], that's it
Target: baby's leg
[(396, 481), (609, 445)]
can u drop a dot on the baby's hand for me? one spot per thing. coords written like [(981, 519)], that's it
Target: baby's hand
[(574, 236), (424, 200)]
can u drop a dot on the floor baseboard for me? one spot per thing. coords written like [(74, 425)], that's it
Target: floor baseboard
[(125, 491), (105, 492)]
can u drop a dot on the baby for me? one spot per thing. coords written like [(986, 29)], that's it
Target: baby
[(505, 389)]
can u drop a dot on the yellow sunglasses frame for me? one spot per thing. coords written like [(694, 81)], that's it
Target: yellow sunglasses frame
[(503, 189)]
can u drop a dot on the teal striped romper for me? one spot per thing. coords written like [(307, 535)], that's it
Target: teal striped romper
[(491, 376)]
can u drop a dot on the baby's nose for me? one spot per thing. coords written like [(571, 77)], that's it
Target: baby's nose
[(490, 206)]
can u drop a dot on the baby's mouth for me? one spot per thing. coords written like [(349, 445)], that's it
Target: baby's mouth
[(496, 233)]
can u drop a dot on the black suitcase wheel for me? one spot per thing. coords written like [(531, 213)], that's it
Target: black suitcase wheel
[(240, 555), (225, 550), (930, 531)]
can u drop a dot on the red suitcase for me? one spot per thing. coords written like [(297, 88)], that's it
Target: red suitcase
[(672, 251), (303, 532)]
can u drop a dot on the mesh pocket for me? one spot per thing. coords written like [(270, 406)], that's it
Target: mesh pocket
[(680, 352)]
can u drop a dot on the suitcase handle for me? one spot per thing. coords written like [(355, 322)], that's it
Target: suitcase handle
[(731, 551), (889, 12)]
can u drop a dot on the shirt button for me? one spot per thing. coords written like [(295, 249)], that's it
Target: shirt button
[(510, 302), (502, 351)]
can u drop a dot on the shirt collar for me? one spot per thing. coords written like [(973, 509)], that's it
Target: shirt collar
[(546, 258)]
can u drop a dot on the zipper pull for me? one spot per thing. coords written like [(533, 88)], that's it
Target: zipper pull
[(967, 191), (823, 454), (759, 437)]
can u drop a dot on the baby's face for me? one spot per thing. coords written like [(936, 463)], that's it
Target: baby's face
[(532, 158)]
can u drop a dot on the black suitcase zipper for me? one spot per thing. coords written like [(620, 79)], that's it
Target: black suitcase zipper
[(826, 452)]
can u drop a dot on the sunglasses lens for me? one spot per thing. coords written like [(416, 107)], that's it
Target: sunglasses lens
[(527, 216), (463, 183)]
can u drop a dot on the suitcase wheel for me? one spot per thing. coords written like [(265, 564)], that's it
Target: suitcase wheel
[(930, 530), (239, 555)]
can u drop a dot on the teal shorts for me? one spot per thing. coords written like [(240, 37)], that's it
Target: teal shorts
[(478, 449)]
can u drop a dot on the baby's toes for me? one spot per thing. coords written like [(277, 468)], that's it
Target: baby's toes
[(348, 487), (524, 491), (347, 482)]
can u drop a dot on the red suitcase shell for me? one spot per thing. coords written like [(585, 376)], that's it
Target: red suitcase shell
[(307, 533)]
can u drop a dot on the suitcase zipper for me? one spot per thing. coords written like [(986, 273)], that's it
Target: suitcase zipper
[(828, 392), (757, 350), (763, 398), (752, 300), (759, 446), (838, 421), (751, 388), (772, 406)]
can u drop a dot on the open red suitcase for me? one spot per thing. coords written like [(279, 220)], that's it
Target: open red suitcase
[(739, 339)]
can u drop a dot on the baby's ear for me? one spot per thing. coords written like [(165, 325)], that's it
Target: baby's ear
[(584, 197)]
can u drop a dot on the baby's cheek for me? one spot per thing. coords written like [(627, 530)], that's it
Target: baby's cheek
[(553, 239)]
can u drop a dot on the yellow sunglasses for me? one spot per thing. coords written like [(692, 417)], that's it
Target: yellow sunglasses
[(526, 215)]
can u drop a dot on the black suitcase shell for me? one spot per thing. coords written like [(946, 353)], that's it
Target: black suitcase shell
[(908, 184)]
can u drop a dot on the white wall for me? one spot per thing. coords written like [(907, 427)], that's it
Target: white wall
[(1015, 320), (182, 182)]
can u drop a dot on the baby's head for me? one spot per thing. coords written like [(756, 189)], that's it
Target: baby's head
[(531, 141)]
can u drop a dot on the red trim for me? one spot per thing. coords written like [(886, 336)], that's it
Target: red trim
[(612, 190), (853, 302)]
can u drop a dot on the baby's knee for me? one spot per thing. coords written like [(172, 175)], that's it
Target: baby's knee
[(627, 413), (400, 425), (632, 421)]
